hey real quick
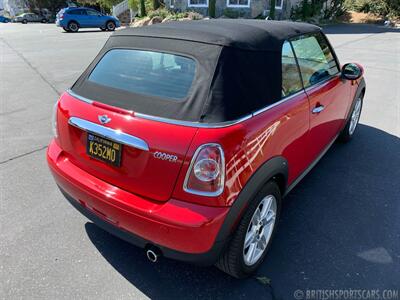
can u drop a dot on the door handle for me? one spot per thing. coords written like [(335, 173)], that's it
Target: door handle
[(318, 109)]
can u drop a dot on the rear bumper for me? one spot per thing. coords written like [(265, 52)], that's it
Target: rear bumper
[(60, 23), (183, 231)]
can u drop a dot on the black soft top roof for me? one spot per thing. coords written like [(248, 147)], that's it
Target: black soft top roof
[(239, 69), (238, 33)]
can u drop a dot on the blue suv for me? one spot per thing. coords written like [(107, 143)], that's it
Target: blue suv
[(73, 18)]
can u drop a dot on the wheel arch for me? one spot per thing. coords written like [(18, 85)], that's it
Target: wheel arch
[(73, 21), (360, 91), (275, 169), (361, 87)]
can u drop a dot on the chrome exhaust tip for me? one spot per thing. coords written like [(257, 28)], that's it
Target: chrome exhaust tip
[(152, 256)]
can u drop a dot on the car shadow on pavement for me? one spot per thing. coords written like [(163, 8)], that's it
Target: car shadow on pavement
[(84, 31), (340, 229)]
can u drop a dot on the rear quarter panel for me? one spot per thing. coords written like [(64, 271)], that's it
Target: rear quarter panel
[(279, 131)]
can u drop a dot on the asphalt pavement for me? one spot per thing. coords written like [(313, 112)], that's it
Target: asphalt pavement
[(340, 227)]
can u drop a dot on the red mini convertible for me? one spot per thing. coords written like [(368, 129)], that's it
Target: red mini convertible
[(182, 138)]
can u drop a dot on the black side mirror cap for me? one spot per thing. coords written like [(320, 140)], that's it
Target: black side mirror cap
[(352, 71)]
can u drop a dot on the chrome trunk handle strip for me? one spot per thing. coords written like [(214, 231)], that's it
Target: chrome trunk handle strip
[(109, 133)]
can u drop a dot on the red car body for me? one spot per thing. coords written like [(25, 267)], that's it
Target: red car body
[(144, 200)]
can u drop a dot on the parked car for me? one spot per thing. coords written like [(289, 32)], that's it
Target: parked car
[(73, 18), (30, 17), (182, 138), (4, 19)]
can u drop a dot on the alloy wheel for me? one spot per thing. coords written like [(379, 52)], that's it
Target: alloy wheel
[(259, 230), (73, 27)]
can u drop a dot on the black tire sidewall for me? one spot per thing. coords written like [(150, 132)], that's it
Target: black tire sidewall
[(24, 22)]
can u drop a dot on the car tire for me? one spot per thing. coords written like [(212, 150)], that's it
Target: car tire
[(66, 29), (110, 26), (44, 21), (73, 26), (103, 29), (354, 117), (233, 260), (24, 21)]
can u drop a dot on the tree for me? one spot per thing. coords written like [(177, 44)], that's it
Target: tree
[(272, 9), (138, 5), (211, 8), (142, 11), (51, 5), (156, 4), (104, 4)]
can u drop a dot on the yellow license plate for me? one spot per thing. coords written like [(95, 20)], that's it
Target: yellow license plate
[(104, 149)]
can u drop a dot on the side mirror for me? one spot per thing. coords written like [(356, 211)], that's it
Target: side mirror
[(352, 71)]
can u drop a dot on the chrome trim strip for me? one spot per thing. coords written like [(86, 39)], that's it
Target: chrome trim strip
[(192, 124), (322, 82), (109, 133), (197, 124), (200, 193), (79, 97), (257, 112)]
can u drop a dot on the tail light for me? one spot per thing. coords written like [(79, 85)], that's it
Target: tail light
[(54, 120), (206, 173)]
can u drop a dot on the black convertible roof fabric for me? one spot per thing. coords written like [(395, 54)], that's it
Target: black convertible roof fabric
[(238, 69)]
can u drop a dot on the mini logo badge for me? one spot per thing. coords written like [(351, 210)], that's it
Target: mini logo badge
[(104, 119)]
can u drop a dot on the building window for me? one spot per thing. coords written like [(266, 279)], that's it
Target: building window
[(278, 4), (238, 3), (172, 3), (198, 3)]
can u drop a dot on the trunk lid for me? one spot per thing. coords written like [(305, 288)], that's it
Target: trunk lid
[(149, 173)]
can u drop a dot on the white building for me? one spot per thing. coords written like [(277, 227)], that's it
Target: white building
[(12, 7)]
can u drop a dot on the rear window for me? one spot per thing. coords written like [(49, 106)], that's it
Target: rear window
[(148, 73)]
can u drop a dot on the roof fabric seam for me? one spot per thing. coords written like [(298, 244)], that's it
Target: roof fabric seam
[(206, 102)]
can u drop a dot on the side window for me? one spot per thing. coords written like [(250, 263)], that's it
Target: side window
[(91, 12), (315, 58), (291, 80), (75, 12)]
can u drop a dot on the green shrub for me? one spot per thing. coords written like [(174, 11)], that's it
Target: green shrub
[(322, 9), (378, 7), (161, 12)]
